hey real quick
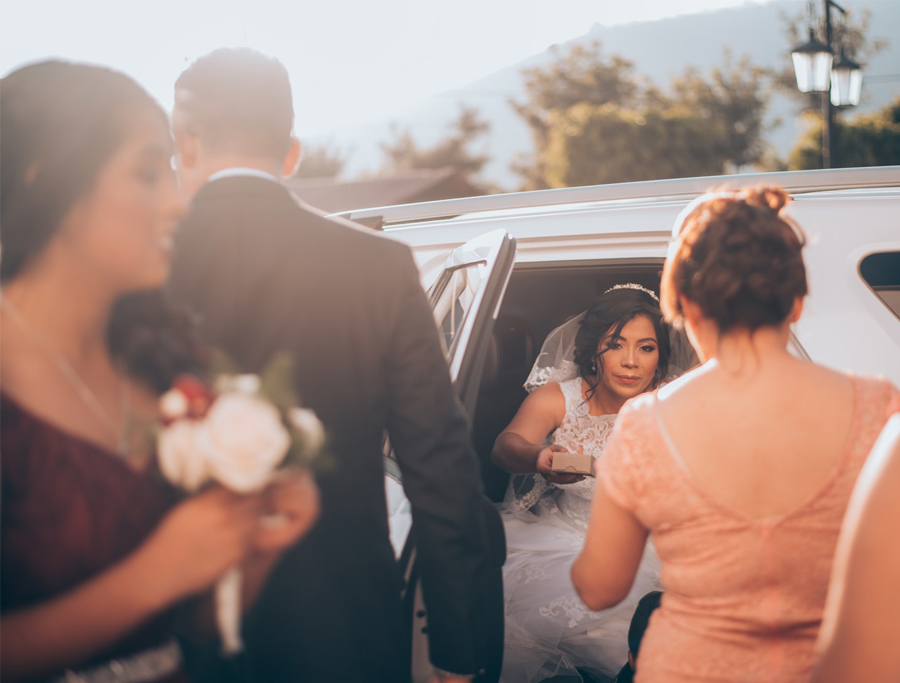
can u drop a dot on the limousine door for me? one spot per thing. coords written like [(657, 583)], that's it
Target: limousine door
[(465, 300)]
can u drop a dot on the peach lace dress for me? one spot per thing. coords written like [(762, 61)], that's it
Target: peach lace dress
[(744, 597)]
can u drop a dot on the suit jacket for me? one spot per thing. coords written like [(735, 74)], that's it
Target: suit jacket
[(266, 274)]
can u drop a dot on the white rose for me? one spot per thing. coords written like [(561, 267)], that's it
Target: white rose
[(246, 441), (183, 458), (307, 423), (173, 405), (241, 384)]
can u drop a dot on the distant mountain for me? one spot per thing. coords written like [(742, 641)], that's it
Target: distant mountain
[(659, 49)]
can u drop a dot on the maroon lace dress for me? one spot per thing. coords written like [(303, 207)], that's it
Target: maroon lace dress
[(69, 511)]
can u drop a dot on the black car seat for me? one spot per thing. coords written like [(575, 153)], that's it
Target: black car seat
[(507, 364)]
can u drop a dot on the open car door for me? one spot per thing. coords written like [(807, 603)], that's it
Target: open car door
[(465, 299)]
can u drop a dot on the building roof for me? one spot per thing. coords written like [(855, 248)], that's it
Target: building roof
[(421, 185)]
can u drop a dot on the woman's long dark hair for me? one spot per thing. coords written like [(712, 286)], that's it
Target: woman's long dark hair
[(60, 124), (607, 316)]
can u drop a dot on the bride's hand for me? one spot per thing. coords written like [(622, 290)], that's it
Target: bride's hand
[(544, 466)]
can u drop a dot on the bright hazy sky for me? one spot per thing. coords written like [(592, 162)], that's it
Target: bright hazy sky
[(350, 61)]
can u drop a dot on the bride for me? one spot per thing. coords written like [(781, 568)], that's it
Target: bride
[(588, 368)]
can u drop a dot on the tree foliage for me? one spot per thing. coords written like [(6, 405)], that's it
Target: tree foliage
[(866, 140), (732, 100), (321, 161), (594, 145), (403, 153), (580, 75), (593, 120)]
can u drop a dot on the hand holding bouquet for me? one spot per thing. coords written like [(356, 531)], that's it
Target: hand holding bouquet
[(238, 434)]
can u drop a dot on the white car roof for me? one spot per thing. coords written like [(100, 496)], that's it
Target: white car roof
[(617, 196)]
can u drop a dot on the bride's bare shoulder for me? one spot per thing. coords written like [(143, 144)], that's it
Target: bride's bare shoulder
[(549, 392), (548, 398)]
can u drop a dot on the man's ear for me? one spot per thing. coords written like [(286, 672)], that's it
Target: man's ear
[(292, 158), (796, 310), (188, 147)]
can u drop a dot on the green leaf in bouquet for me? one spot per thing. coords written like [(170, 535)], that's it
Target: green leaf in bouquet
[(300, 455), (277, 382)]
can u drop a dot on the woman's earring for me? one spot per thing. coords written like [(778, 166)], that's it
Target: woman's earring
[(594, 368)]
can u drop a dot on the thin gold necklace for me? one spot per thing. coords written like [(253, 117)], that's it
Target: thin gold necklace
[(119, 432)]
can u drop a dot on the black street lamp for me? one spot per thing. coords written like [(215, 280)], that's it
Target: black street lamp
[(812, 65), (839, 82), (846, 82)]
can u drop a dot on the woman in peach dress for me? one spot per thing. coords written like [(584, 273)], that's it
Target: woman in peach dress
[(741, 470)]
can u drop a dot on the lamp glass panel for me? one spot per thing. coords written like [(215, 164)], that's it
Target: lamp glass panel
[(821, 71), (856, 79), (803, 70), (846, 86), (840, 86), (813, 70)]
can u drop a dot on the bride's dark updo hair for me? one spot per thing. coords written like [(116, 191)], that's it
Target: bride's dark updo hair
[(60, 124), (607, 316), (738, 259)]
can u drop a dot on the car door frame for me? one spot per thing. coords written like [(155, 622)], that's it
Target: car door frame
[(465, 356)]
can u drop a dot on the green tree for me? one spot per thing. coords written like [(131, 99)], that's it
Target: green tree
[(594, 145), (593, 120), (581, 74), (865, 140), (321, 161), (733, 101), (403, 153)]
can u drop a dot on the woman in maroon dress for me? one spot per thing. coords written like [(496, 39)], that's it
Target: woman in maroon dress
[(95, 553)]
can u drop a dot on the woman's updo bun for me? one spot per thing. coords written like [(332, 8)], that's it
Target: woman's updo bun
[(738, 259)]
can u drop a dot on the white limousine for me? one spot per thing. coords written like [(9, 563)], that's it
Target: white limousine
[(502, 271)]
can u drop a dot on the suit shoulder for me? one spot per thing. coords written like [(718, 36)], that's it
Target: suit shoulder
[(356, 236)]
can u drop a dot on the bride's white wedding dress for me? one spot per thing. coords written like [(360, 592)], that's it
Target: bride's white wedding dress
[(549, 631)]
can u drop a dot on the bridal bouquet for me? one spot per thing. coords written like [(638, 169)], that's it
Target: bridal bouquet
[(235, 432)]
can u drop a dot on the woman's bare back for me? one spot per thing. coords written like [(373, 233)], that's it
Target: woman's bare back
[(761, 442)]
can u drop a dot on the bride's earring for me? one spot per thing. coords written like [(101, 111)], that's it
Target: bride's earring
[(594, 368)]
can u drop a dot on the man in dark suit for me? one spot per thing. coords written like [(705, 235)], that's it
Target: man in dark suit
[(267, 274)]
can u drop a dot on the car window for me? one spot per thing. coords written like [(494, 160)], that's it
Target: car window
[(464, 300), (453, 297), (881, 272)]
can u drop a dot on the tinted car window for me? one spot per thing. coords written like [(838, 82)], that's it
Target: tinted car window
[(882, 273)]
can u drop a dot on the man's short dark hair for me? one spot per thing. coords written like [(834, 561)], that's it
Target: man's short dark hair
[(238, 101), (641, 619)]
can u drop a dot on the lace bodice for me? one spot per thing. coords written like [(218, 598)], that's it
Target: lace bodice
[(579, 432)]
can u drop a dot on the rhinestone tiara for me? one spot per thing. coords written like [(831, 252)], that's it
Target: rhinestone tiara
[(632, 285)]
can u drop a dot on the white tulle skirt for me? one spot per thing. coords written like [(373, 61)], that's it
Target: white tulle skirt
[(549, 631)]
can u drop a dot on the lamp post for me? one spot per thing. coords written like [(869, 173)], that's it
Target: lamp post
[(840, 83)]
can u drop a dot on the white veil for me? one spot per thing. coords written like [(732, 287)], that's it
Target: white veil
[(556, 363)]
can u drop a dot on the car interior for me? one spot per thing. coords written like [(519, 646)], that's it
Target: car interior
[(537, 300)]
